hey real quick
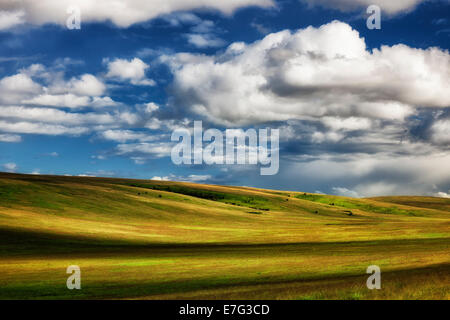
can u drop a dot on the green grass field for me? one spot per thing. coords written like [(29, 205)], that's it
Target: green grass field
[(136, 239)]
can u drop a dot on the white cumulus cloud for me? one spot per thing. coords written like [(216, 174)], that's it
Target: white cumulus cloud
[(9, 19), (129, 70), (204, 40), (126, 135), (311, 74), (441, 132), (10, 167), (388, 6), (87, 85), (122, 13), (10, 138), (341, 191), (18, 87)]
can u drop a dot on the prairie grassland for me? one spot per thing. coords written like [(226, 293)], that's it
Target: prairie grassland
[(137, 239)]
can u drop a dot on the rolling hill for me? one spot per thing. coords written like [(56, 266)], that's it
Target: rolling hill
[(142, 239)]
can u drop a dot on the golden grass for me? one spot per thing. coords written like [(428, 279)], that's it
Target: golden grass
[(138, 242)]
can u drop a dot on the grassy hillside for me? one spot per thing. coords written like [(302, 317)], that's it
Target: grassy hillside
[(165, 240)]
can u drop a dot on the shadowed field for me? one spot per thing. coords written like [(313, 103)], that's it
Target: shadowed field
[(138, 239)]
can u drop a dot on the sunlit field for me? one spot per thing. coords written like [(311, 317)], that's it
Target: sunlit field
[(137, 239)]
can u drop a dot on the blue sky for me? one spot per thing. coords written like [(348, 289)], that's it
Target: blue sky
[(361, 112)]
